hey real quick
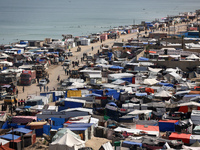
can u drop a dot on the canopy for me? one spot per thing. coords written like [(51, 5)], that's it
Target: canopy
[(163, 94), (150, 81)]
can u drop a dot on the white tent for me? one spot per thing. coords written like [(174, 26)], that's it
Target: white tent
[(192, 56), (67, 142), (150, 81), (163, 94), (189, 104)]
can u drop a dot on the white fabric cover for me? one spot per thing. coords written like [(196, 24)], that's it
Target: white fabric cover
[(67, 142)]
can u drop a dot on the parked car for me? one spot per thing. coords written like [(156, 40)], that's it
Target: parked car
[(67, 62), (43, 82)]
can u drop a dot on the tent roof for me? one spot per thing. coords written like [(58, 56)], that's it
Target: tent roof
[(163, 94), (150, 81), (137, 112), (90, 111), (192, 56), (147, 128), (189, 104), (9, 136), (22, 130)]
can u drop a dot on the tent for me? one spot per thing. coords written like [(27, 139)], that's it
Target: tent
[(143, 59), (192, 56), (150, 81), (67, 142), (180, 136), (163, 94), (167, 125), (194, 146)]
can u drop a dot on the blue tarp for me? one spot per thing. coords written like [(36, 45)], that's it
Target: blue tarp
[(5, 125), (9, 137), (27, 107), (112, 103), (58, 121), (78, 129), (113, 92), (56, 127), (39, 132), (192, 95), (116, 67), (110, 55), (46, 129), (70, 104), (166, 84), (100, 92), (143, 59), (21, 130), (132, 143), (141, 94), (167, 126), (127, 79)]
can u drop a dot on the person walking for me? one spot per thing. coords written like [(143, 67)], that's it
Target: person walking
[(44, 88), (92, 48), (65, 71), (58, 78), (23, 89), (40, 88), (47, 88)]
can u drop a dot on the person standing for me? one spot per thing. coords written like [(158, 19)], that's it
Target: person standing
[(23, 89), (92, 48), (47, 88), (40, 88), (44, 88), (65, 71)]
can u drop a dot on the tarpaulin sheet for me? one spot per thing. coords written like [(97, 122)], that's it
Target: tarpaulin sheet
[(58, 121), (23, 119), (69, 104), (182, 136), (147, 128), (183, 109), (112, 92), (46, 129), (9, 137), (167, 125), (72, 93), (131, 143)]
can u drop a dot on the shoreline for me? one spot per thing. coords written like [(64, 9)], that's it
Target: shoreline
[(103, 31)]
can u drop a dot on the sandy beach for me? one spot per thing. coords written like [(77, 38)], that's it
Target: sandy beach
[(55, 70)]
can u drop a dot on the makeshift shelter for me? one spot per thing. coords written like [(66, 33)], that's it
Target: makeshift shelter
[(150, 81), (23, 119), (167, 125), (163, 94), (67, 142), (180, 136), (194, 146), (192, 57)]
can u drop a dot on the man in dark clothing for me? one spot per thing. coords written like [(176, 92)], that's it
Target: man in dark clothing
[(92, 48), (23, 89)]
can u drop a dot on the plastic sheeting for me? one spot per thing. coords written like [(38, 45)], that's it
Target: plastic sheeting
[(167, 125), (71, 93)]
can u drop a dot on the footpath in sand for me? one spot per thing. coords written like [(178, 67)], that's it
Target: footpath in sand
[(55, 70)]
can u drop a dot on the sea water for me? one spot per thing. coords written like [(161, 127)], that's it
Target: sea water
[(39, 19)]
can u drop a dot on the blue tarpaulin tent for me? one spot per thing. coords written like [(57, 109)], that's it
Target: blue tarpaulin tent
[(109, 55), (46, 129), (168, 125), (58, 121)]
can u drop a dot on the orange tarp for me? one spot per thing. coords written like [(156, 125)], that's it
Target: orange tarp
[(194, 92), (148, 128), (182, 136), (149, 90)]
